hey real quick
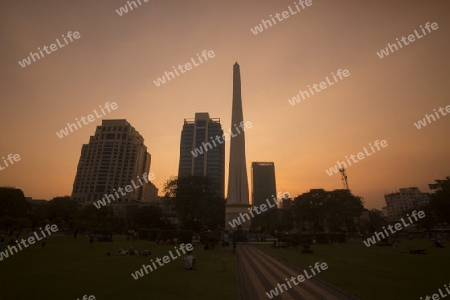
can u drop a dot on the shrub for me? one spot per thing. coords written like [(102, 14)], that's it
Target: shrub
[(153, 234), (143, 234), (167, 235), (211, 238), (105, 238), (307, 248), (185, 237)]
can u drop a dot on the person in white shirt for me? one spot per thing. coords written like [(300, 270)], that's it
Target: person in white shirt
[(189, 261)]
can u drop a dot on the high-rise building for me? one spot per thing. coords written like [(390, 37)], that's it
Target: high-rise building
[(263, 182), (201, 152), (238, 204), (115, 156)]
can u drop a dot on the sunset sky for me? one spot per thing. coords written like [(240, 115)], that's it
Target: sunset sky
[(117, 58)]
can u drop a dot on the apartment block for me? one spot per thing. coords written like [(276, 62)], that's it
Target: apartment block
[(114, 157), (397, 204)]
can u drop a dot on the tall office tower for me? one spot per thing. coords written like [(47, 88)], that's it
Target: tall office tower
[(115, 156), (201, 153), (263, 182), (237, 199)]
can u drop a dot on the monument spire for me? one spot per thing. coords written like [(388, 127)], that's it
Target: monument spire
[(238, 196)]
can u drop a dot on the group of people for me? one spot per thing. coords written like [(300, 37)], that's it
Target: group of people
[(169, 241), (226, 242), (437, 242), (133, 252), (132, 235), (415, 251), (189, 260)]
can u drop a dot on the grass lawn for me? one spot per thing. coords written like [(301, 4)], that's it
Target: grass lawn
[(377, 272), (69, 269)]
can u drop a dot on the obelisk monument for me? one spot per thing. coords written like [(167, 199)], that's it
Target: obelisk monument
[(237, 207)]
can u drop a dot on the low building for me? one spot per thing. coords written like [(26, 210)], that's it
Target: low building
[(438, 185), (150, 193)]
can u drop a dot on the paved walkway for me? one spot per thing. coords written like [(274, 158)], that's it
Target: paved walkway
[(259, 273)]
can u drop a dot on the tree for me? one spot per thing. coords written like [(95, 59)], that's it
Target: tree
[(90, 219), (287, 220), (440, 202), (196, 202), (319, 209), (347, 208), (61, 209), (39, 215), (430, 220), (13, 203), (14, 209), (308, 210), (374, 222), (149, 217)]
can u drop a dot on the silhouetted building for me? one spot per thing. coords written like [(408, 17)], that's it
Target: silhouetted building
[(438, 185), (263, 182), (366, 214), (36, 201), (150, 193), (115, 156), (406, 199), (202, 150), (384, 212)]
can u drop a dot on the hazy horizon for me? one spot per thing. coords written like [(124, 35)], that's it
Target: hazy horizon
[(117, 58)]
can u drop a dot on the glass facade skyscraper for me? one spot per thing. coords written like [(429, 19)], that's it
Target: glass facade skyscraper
[(200, 153)]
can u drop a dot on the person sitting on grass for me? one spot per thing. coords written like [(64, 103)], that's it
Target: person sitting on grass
[(414, 251), (438, 243), (189, 261), (133, 252)]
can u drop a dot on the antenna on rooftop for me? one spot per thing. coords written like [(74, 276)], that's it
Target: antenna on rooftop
[(344, 178)]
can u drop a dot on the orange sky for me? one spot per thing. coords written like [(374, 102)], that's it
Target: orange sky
[(118, 57)]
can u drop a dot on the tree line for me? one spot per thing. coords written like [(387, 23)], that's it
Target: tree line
[(197, 207)]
